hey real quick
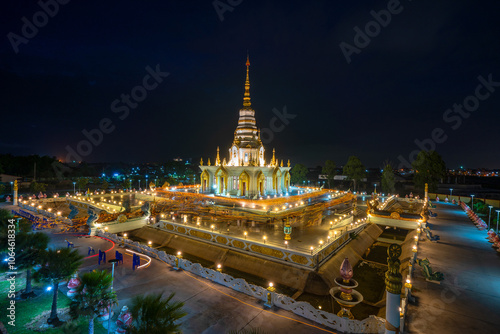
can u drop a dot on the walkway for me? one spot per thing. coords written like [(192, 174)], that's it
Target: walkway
[(468, 300)]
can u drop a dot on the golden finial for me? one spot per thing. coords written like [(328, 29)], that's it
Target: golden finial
[(246, 97), (217, 160), (201, 162), (273, 160), (258, 131), (224, 162), (288, 165), (281, 165), (208, 163)]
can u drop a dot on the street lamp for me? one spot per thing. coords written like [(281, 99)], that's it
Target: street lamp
[(489, 216), (451, 192), (11, 187), (112, 279), (375, 187), (130, 184), (139, 183), (74, 187), (472, 206)]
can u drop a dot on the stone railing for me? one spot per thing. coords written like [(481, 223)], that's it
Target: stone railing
[(46, 213), (372, 324), (309, 260)]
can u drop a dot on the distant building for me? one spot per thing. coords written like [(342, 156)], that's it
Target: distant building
[(5, 178), (245, 173)]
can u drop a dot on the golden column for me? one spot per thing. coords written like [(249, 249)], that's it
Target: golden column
[(393, 286)]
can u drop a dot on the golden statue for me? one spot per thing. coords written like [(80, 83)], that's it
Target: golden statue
[(201, 162), (288, 165), (281, 165), (208, 163)]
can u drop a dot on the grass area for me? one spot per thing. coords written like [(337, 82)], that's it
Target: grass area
[(27, 310), (377, 254), (371, 282)]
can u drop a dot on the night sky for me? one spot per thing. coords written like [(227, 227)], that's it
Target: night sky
[(397, 87)]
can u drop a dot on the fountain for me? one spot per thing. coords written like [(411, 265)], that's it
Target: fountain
[(344, 293)]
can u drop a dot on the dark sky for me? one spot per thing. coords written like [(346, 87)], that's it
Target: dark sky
[(396, 89)]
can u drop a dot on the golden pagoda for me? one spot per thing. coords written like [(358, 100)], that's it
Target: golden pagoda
[(246, 173)]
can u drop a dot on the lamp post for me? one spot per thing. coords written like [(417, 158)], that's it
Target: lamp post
[(130, 184), (451, 193), (112, 280), (489, 216), (74, 187), (498, 212), (11, 186), (472, 206), (139, 183), (375, 187)]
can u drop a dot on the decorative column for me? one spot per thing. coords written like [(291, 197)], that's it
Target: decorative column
[(393, 286), (287, 230), (15, 192)]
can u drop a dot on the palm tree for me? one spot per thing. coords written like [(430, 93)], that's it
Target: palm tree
[(57, 265), (93, 294), (30, 247), (152, 315)]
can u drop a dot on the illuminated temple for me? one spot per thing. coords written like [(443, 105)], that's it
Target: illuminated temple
[(245, 173)]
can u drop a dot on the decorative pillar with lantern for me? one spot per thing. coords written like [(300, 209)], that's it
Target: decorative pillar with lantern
[(15, 193), (287, 230), (270, 295), (393, 286)]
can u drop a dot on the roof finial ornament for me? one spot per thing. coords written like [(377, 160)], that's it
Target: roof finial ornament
[(217, 160), (246, 97)]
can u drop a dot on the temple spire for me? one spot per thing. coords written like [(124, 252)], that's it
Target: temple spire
[(217, 160), (246, 97)]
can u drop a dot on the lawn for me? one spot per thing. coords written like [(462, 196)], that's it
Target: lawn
[(371, 282), (27, 310), (378, 254)]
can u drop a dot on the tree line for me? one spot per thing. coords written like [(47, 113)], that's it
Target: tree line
[(428, 167)]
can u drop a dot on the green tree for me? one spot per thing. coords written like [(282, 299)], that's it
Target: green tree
[(354, 170), (330, 170), (429, 168), (152, 315), (57, 265), (126, 184), (37, 187), (81, 182), (92, 296), (29, 250), (388, 181), (298, 174)]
